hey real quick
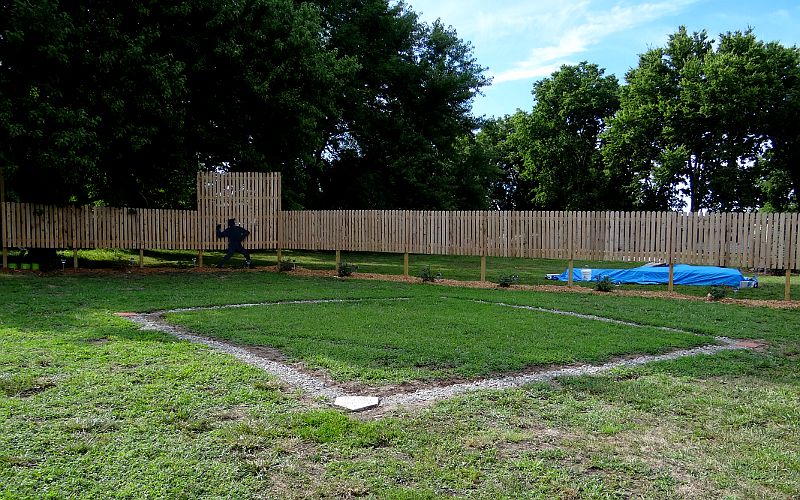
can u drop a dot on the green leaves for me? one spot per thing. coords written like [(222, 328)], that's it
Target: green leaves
[(551, 157), (123, 103), (705, 123), (398, 142)]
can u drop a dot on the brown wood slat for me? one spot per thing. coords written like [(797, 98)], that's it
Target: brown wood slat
[(734, 239)]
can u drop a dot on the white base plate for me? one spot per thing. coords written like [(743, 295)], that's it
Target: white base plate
[(357, 403)]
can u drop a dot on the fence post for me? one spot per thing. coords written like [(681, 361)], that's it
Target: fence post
[(141, 257), (279, 245), (3, 228), (571, 232), (406, 241), (338, 259), (787, 292), (671, 287), (484, 242), (75, 258), (670, 256), (200, 258)]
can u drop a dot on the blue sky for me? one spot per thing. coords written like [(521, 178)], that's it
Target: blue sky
[(522, 41)]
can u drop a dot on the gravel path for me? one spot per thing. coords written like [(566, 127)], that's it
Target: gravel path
[(316, 387), (582, 316), (438, 393), (313, 386)]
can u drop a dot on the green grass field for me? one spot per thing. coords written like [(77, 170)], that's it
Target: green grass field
[(91, 406), (427, 338)]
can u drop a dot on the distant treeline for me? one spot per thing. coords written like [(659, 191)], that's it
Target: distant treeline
[(361, 105), (697, 125)]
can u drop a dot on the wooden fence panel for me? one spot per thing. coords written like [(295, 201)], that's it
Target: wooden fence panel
[(253, 199), (754, 240)]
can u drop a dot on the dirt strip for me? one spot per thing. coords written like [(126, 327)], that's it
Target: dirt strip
[(317, 386), (488, 285)]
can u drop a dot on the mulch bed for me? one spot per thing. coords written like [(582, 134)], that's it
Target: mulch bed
[(320, 273), (775, 304)]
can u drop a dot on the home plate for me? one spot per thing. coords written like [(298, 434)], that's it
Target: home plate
[(357, 403)]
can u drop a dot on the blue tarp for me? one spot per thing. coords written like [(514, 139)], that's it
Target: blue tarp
[(659, 274)]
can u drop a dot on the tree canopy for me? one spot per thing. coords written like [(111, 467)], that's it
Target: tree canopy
[(710, 123), (361, 105), (550, 158), (404, 111), (356, 102), (698, 124), (123, 102), (563, 159)]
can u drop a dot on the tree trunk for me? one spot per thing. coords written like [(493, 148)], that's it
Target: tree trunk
[(693, 202)]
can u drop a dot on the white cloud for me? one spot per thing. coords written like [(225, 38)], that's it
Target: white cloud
[(557, 32), (524, 40), (593, 28), (486, 22), (527, 72)]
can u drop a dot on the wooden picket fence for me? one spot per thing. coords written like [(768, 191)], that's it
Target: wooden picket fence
[(769, 241), (753, 240), (43, 226), (252, 199)]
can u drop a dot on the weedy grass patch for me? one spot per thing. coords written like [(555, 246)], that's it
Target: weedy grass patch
[(91, 406)]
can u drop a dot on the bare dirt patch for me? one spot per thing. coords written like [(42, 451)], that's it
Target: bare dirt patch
[(233, 414), (40, 385), (263, 352)]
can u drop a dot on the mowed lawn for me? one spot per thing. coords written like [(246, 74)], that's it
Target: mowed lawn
[(428, 337), (90, 406)]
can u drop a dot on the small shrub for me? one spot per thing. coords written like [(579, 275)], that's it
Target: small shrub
[(122, 259), (507, 281), (603, 284), (427, 275), (717, 292), (346, 269), (286, 265)]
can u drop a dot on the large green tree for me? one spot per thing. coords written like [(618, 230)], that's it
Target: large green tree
[(563, 162), (502, 144), (779, 163), (405, 111), (357, 102), (123, 102), (709, 124)]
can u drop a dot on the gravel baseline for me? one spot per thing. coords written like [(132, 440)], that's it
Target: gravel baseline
[(316, 387)]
